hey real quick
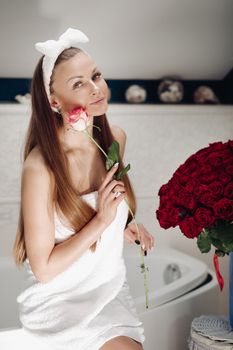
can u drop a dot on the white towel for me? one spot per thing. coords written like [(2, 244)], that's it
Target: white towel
[(88, 299)]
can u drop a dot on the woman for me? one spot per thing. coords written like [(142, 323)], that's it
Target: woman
[(72, 223)]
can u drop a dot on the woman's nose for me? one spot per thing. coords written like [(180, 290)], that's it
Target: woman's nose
[(95, 88)]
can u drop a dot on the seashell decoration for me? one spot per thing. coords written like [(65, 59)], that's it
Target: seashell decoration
[(23, 99), (204, 94), (135, 94), (170, 91)]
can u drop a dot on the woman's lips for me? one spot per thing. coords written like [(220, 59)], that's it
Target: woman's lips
[(97, 101)]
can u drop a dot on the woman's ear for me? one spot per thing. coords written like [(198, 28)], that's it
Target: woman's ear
[(55, 105), (54, 102)]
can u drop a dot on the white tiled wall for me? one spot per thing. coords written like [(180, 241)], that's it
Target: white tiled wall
[(159, 139)]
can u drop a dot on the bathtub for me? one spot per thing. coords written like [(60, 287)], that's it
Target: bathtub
[(180, 288), (175, 298)]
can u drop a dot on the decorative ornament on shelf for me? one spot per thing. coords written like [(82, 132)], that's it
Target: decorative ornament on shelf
[(199, 199), (135, 94), (23, 99), (205, 95), (170, 91)]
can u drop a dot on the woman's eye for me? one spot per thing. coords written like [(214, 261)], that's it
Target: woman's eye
[(97, 75), (77, 84)]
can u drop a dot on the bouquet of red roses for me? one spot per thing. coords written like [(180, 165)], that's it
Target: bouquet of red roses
[(199, 199)]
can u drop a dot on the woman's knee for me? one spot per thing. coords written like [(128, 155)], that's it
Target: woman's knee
[(121, 343)]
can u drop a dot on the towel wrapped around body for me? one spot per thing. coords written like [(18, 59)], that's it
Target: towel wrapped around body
[(88, 303)]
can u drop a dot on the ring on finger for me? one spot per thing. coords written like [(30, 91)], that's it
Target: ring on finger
[(117, 194)]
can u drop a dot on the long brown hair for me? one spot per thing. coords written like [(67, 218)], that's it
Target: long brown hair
[(43, 132)]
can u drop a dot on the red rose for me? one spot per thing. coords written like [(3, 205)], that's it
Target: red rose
[(175, 187), (185, 199), (168, 217), (199, 189), (230, 144), (229, 169), (217, 158), (190, 228), (165, 202), (216, 188), (180, 170), (224, 178), (228, 192), (215, 146), (191, 165), (192, 185), (164, 189), (208, 198), (207, 178), (223, 209), (203, 153), (204, 217), (205, 168), (182, 179)]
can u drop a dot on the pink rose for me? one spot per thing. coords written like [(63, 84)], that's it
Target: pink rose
[(78, 119)]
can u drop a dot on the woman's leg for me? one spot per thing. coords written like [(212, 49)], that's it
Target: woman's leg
[(122, 343)]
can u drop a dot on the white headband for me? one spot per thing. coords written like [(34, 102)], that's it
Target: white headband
[(52, 49)]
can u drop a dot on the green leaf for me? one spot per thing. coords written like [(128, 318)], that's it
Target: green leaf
[(122, 172), (109, 163), (113, 155), (222, 236), (228, 247), (221, 229), (113, 151), (204, 242), (217, 243)]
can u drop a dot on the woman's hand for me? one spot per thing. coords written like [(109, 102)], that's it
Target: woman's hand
[(107, 202), (131, 234)]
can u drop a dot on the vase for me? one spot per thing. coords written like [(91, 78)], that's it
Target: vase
[(231, 291)]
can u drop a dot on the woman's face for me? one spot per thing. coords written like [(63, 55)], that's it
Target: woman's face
[(78, 82)]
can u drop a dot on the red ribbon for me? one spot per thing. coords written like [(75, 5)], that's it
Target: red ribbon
[(217, 272)]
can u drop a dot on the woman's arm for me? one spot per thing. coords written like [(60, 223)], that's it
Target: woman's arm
[(130, 232), (46, 259)]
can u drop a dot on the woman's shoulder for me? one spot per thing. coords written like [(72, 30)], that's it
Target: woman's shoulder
[(118, 131), (34, 166), (35, 160)]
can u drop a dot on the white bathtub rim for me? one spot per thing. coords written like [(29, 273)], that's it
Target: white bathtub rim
[(213, 284), (182, 285), (176, 289)]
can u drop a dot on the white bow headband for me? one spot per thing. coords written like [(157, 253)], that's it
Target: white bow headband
[(52, 49)]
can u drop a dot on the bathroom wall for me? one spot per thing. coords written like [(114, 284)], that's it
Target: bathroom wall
[(128, 39), (159, 139)]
